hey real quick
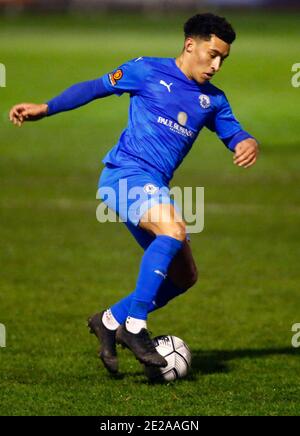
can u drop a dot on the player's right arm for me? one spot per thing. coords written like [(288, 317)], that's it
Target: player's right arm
[(27, 112), (127, 78), (72, 98)]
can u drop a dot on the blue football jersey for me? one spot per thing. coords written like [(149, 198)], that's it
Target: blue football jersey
[(167, 112)]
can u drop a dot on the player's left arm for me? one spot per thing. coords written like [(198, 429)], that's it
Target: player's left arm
[(246, 153), (244, 146)]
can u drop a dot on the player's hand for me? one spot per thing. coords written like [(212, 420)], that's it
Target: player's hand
[(246, 153), (27, 112)]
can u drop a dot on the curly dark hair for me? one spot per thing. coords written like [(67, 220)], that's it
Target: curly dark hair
[(206, 25)]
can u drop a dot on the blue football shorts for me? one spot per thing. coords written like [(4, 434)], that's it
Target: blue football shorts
[(130, 192)]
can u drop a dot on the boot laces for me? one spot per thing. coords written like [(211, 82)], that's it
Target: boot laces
[(145, 336)]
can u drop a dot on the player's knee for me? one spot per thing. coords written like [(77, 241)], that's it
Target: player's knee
[(187, 280), (176, 231), (191, 277)]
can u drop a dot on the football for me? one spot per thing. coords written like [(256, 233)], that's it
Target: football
[(178, 355)]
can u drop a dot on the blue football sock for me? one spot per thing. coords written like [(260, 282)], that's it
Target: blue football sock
[(153, 271), (120, 310), (166, 293)]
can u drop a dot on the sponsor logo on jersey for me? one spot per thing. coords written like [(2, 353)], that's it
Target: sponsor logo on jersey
[(175, 127), (115, 77), (204, 101)]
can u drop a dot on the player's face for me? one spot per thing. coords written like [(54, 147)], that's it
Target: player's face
[(206, 57)]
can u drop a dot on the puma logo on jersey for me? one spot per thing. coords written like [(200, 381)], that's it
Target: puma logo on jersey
[(162, 82)]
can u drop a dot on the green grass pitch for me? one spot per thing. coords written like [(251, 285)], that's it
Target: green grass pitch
[(59, 265)]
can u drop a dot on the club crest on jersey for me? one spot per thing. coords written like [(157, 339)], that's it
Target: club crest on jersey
[(150, 189), (204, 101), (115, 77)]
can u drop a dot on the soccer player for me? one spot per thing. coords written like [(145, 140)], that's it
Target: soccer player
[(171, 101)]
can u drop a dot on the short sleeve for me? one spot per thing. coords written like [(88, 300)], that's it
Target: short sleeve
[(222, 121), (129, 77)]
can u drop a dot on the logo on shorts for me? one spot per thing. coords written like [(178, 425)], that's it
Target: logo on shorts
[(204, 101), (115, 77), (150, 189)]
